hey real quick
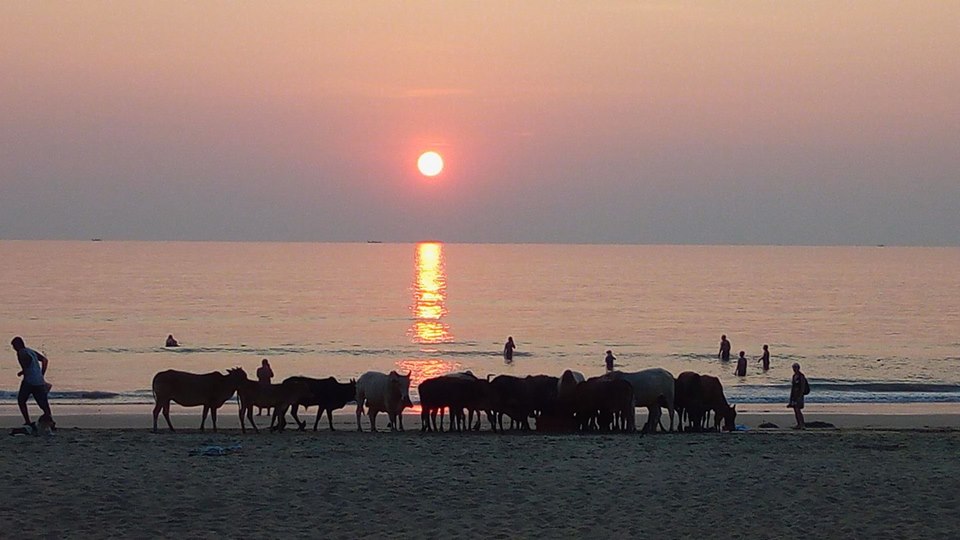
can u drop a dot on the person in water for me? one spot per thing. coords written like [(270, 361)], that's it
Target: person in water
[(171, 342), (724, 353), (508, 348), (765, 358), (799, 387), (264, 376), (609, 360), (33, 366), (741, 365)]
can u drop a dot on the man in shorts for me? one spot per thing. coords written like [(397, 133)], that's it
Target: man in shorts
[(33, 366)]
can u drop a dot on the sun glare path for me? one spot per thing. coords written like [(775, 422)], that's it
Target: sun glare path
[(429, 296)]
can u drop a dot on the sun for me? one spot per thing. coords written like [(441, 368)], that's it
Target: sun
[(430, 163)]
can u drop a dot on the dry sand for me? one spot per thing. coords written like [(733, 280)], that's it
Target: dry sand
[(846, 483)]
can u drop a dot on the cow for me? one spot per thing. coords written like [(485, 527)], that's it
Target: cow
[(211, 390), (687, 399), (543, 391), (711, 392), (386, 392), (652, 388), (511, 396), (255, 394), (456, 392), (566, 387), (600, 400), (327, 394)]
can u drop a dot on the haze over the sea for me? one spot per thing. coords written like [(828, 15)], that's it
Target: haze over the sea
[(612, 122)]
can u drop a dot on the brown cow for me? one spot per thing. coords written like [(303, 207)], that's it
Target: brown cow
[(211, 390), (711, 392), (256, 394)]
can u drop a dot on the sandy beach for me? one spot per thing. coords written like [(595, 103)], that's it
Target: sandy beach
[(103, 480)]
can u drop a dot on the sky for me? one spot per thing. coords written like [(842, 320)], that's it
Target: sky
[(740, 122)]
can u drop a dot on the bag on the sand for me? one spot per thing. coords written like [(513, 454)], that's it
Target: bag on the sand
[(806, 386)]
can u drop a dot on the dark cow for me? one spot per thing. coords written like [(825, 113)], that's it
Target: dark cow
[(600, 401), (211, 390), (711, 392), (456, 392), (511, 396), (327, 394), (543, 391), (688, 399)]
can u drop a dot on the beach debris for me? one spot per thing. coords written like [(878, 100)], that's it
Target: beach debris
[(819, 425), (216, 450), (741, 427), (768, 425)]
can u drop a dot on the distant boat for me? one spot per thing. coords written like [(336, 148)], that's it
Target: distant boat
[(374, 242), (96, 239)]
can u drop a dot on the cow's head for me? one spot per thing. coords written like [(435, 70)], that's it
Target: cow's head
[(730, 418), (236, 377)]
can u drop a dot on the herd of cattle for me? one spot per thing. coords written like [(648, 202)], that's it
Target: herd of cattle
[(557, 404)]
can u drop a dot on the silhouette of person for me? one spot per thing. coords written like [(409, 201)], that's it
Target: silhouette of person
[(609, 360), (508, 348), (765, 358), (171, 342), (742, 365), (264, 375), (33, 366), (724, 353), (799, 387)]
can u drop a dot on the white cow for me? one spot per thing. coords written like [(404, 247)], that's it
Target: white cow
[(651, 387), (389, 393)]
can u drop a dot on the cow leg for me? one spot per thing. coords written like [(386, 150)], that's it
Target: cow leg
[(359, 413), (166, 415), (317, 421), (203, 418), (372, 414), (400, 418), (424, 420), (250, 416), (293, 412), (243, 409), (156, 413), (442, 413), (213, 416)]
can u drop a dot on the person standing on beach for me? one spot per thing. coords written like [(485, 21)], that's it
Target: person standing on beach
[(508, 348), (765, 358), (799, 387), (33, 366), (171, 342), (741, 365), (724, 353), (609, 360), (264, 375)]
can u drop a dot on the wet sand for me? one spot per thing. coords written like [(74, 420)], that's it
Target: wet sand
[(853, 482)]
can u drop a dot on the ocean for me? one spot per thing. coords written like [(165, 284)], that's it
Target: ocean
[(867, 324)]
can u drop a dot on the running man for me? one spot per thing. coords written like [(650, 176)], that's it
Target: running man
[(33, 366)]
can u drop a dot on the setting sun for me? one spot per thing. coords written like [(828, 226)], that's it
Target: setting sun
[(430, 163)]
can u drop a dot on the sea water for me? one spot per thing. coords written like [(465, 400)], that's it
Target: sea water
[(867, 324)]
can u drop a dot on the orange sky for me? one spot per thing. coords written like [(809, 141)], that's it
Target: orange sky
[(602, 122)]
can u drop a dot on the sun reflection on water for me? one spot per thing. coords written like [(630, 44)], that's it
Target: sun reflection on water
[(429, 296)]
